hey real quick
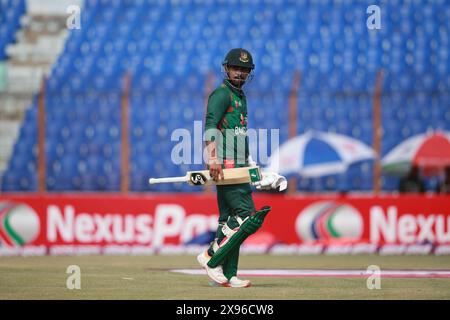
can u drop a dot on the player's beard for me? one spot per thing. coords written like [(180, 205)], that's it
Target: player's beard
[(237, 82)]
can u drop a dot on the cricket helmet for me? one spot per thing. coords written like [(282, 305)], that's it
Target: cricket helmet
[(239, 57)]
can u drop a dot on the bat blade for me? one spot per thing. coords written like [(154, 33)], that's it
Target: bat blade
[(230, 176), (203, 178)]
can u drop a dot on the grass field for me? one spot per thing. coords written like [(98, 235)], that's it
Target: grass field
[(148, 277)]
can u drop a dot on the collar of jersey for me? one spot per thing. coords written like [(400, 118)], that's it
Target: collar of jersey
[(235, 90)]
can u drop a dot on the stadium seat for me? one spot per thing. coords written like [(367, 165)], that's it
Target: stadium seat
[(172, 50)]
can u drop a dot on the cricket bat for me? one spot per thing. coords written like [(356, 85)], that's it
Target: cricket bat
[(202, 177)]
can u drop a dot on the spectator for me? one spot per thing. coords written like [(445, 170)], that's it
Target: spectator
[(444, 186), (412, 182)]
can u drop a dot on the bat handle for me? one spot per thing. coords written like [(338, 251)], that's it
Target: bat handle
[(167, 180)]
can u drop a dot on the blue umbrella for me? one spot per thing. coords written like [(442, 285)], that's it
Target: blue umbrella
[(316, 154)]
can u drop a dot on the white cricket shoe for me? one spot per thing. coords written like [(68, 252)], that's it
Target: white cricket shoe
[(203, 258), (235, 282), (216, 274)]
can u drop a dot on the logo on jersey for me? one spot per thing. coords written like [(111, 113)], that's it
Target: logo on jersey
[(240, 131), (243, 120)]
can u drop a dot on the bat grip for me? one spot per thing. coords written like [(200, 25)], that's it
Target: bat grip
[(166, 180)]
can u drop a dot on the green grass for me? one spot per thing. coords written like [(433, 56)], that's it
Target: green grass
[(102, 277)]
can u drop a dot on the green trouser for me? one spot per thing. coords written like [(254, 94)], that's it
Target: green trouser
[(233, 200)]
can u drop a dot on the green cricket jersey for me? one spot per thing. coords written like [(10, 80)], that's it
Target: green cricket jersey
[(227, 112)]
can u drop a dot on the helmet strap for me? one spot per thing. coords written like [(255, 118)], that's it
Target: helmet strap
[(227, 77)]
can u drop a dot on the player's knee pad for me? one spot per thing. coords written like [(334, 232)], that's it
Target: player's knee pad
[(234, 236)]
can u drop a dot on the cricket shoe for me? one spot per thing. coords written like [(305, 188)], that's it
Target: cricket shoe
[(235, 282), (216, 274)]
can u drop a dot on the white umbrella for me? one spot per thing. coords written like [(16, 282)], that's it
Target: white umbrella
[(431, 151), (317, 153)]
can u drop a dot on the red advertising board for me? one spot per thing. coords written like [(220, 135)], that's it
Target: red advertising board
[(171, 219)]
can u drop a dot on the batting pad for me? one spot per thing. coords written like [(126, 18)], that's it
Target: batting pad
[(248, 227)]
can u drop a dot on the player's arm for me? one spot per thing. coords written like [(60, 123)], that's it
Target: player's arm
[(217, 104), (215, 168)]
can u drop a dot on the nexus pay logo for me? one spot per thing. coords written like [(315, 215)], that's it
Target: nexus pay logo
[(19, 224), (169, 220), (408, 228)]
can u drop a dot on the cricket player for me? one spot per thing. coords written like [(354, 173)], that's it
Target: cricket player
[(227, 147)]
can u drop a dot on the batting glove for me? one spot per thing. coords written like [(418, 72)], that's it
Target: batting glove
[(271, 180)]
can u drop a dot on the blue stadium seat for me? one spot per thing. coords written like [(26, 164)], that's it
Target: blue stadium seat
[(171, 51)]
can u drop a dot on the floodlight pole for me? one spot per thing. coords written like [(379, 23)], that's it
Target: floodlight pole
[(377, 132), (292, 121), (125, 143), (41, 159), (210, 80)]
